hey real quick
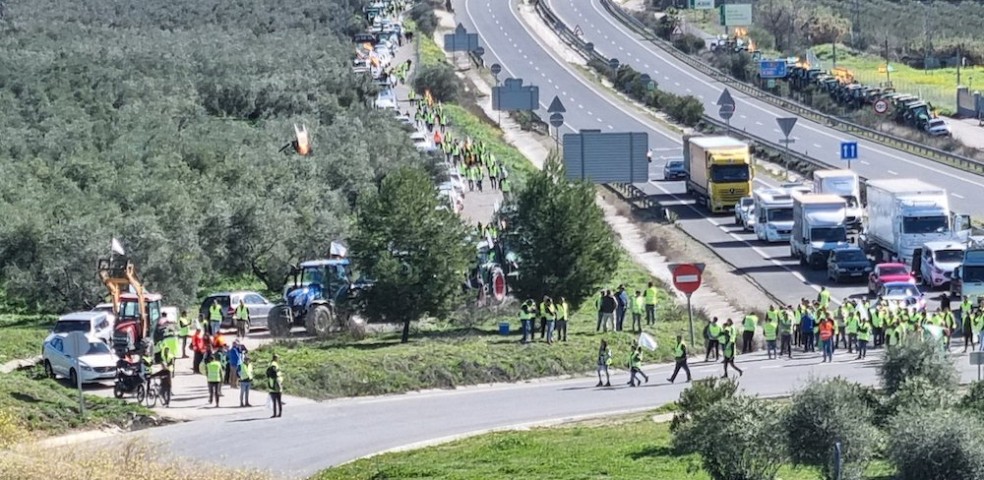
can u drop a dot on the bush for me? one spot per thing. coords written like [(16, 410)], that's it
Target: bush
[(687, 110), (696, 399), (746, 445), (689, 44), (440, 80), (936, 445), (973, 401), (423, 16), (918, 394), (825, 413), (917, 359)]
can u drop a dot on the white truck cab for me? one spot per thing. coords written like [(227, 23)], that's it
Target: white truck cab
[(819, 226), (773, 214)]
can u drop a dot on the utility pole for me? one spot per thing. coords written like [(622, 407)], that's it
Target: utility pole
[(959, 61), (856, 25)]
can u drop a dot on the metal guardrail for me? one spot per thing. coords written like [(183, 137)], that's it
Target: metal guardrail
[(937, 155)]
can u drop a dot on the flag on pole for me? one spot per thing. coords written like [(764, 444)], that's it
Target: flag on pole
[(338, 250), (934, 330), (647, 341), (117, 247)]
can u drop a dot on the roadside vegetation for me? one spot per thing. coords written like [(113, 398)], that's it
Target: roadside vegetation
[(33, 406), (917, 426), (22, 335), (136, 459)]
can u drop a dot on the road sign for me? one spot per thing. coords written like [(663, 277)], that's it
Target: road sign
[(460, 40), (772, 69), (598, 157), (495, 68), (578, 31), (513, 95), (702, 4), (735, 15), (556, 106), (556, 120), (686, 277), (613, 64), (726, 112), (645, 78), (725, 98), (588, 47), (786, 125), (977, 358), (479, 51), (881, 106), (849, 150)]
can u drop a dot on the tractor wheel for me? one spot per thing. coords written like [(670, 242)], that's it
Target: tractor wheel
[(279, 321), (319, 321)]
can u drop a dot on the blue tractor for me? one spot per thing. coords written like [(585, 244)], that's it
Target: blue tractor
[(319, 295)]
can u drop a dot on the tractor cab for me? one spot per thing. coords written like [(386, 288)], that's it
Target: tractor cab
[(137, 312), (318, 280)]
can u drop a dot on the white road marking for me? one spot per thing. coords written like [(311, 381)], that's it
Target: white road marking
[(893, 172), (816, 145), (957, 195), (865, 162)]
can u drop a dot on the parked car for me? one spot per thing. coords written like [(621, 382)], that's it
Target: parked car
[(938, 127), (904, 294), (673, 170), (98, 363), (745, 213), (848, 264), (888, 273), (95, 324), (422, 142), (258, 306)]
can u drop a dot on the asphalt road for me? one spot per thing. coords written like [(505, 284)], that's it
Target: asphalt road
[(509, 42), (612, 39), (312, 437)]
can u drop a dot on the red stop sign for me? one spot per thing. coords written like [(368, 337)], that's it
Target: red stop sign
[(686, 278)]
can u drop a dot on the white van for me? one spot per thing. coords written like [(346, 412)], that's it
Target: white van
[(937, 261)]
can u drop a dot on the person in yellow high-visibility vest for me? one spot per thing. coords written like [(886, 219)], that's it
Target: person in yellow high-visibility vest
[(242, 319), (638, 309), (213, 372), (184, 331), (215, 318), (650, 297)]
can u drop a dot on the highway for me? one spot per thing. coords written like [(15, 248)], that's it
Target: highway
[(613, 39), (316, 436), (511, 43)]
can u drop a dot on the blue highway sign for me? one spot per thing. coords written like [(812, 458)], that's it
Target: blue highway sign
[(849, 150), (772, 69)]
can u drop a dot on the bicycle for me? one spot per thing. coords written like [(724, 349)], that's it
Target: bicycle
[(153, 391)]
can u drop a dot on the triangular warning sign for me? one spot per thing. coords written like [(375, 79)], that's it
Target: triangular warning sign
[(725, 98), (677, 30), (786, 124), (556, 106)]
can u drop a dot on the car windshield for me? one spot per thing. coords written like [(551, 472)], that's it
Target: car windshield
[(900, 291), (892, 271), (312, 275), (66, 326), (925, 224), (781, 215), (828, 234), (747, 202), (949, 256), (729, 173), (851, 256), (675, 164), (97, 348)]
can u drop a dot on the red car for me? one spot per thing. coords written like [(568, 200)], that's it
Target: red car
[(888, 273)]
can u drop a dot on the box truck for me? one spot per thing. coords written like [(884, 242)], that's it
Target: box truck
[(819, 226), (846, 184)]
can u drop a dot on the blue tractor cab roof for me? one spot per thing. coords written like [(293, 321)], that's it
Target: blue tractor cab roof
[(325, 262)]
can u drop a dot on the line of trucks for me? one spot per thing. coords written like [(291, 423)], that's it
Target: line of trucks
[(906, 220)]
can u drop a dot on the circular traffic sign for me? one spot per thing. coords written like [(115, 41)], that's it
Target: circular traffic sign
[(686, 278), (726, 111), (495, 68), (881, 106), (589, 47), (613, 64), (479, 51), (556, 120), (645, 78)]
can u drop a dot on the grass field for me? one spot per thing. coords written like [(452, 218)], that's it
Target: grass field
[(465, 351), (45, 407), (21, 335), (629, 448)]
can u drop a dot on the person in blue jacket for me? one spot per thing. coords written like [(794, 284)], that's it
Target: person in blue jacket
[(807, 322)]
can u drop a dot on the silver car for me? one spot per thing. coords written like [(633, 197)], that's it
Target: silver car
[(258, 306)]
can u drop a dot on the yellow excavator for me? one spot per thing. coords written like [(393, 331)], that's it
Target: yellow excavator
[(137, 312)]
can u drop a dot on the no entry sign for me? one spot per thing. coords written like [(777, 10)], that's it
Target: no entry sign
[(686, 277)]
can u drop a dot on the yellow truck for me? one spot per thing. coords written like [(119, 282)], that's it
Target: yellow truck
[(719, 171)]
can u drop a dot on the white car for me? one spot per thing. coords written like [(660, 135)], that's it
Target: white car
[(422, 142), (95, 324), (96, 364), (938, 127), (745, 213)]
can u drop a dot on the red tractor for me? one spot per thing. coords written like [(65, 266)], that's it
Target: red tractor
[(137, 312)]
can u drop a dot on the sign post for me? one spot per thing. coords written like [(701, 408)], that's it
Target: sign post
[(556, 121), (849, 151), (77, 344), (686, 278), (726, 108), (977, 358), (496, 69), (786, 125)]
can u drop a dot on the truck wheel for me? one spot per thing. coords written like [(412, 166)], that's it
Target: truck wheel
[(802, 259), (279, 322), (318, 321)]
